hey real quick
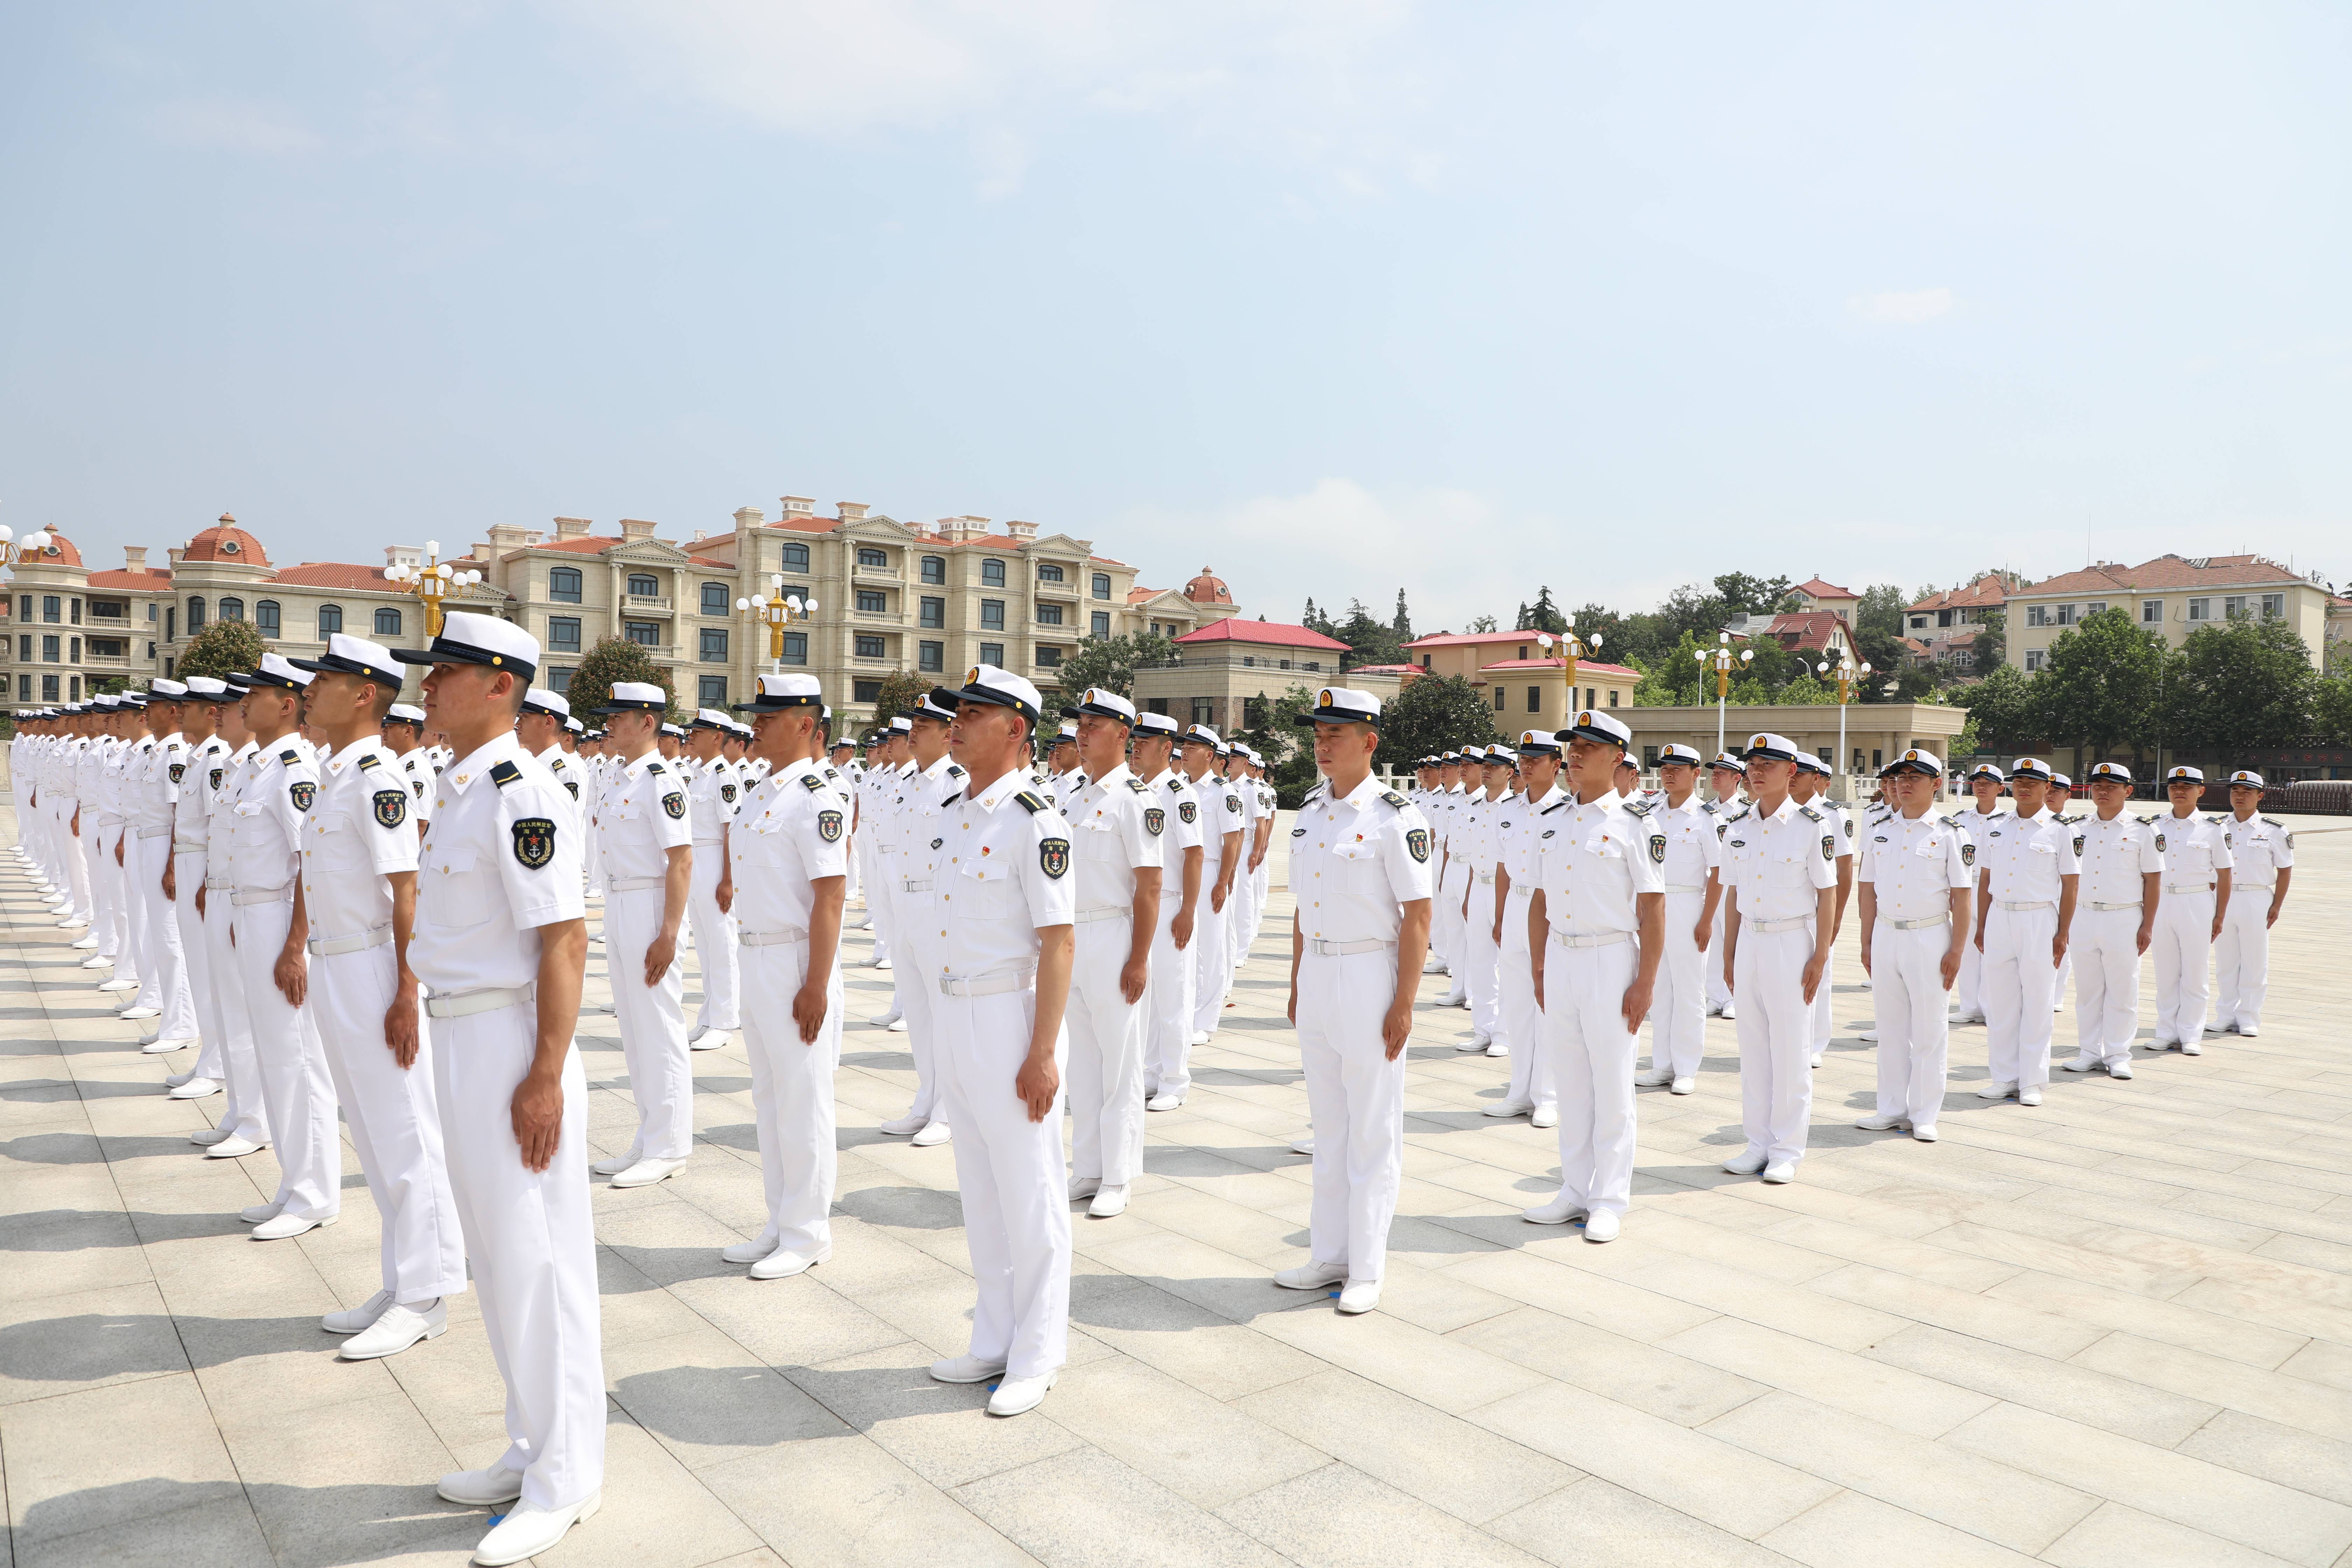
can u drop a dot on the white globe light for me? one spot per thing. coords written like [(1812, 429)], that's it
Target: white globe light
[(6, 533), (1699, 654), (1543, 639), (793, 603), (742, 603), (1723, 638), (39, 539), (1568, 621), (1745, 654), (1596, 640), (1865, 667), (775, 579), (432, 547), (810, 606)]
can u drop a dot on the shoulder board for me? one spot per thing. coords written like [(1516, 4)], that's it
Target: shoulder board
[(1175, 786), (812, 784), (1136, 784), (1555, 805), (1809, 814), (952, 800), (370, 761), (955, 770), (832, 772), (290, 755), (1029, 803), (653, 767), (1710, 806), (1394, 799), (1637, 808), (2274, 821), (504, 773)]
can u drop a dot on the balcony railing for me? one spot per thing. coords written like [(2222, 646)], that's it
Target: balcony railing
[(646, 604), (876, 573), (1059, 591)]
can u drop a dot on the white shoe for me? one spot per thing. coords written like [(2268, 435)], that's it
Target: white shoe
[(1507, 1107), (879, 964), (1817, 1057), (1476, 1040), (1601, 1225), (1923, 1134), (782, 1264), (1968, 1017), (196, 1089), (711, 1040), (1499, 1048), (1435, 966), (887, 1019), (1746, 1163), (119, 982), (132, 1014), (2080, 1064), (2029, 1095), (1312, 1276), (527, 1532), (351, 1321), (1784, 1171), (205, 1137), (904, 1126), (1083, 1187), (1200, 1036), (1559, 1210), (1015, 1395), (1683, 1086), (75, 923), (1360, 1296), (166, 1048), (1455, 998), (614, 1166), (399, 1327), (1730, 1011), (1656, 1078), (746, 1251), (2192, 1049), (258, 1213), (2119, 1069), (1544, 1116), (1870, 1035), (1304, 1144), (966, 1368), (934, 1133), (174, 1079), (1997, 1090), (2245, 1034), (897, 1026), (1109, 1202), (1879, 1123), (1164, 1102), (233, 1148), (480, 1488), (288, 1226), (646, 1172), (95, 961)]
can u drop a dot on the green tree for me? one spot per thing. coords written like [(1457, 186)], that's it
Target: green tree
[(1757, 596), (1111, 662), (1285, 744), (1989, 647), (2242, 687), (2097, 689), (2331, 710), (1878, 636), (1676, 679), (1314, 620), (614, 660), (1914, 683), (1543, 616), (902, 688), (1403, 625), (1368, 641), (1433, 713), (221, 648), (2001, 709), (1482, 623), (1691, 608)]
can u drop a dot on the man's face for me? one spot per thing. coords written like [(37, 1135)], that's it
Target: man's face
[(1987, 790), (984, 731), (1197, 756), (2183, 794), (1804, 784), (1677, 778), (1626, 778), (1591, 765), (1151, 756), (459, 696), (2059, 795), (1344, 747), (1769, 775), (1425, 778), (1538, 770), (2245, 799), (2108, 795), (1449, 775), (1726, 782), (1102, 743), (2031, 794)]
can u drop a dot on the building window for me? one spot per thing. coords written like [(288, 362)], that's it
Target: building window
[(73, 651), (934, 569), (1500, 696), (2032, 659), (869, 556), (930, 657), (991, 615), (796, 647), (991, 574), (714, 647), (25, 649), (931, 612), (330, 620), (195, 614), (714, 603), (992, 653), (563, 633), (2095, 607), (26, 610), (1049, 615), (796, 558), (1100, 627), (866, 692), (48, 650), (1612, 699), (171, 623), (1650, 757), (871, 645), (1204, 711), (2037, 614), (873, 602), (48, 689), (710, 692), (1248, 660), (1102, 584), (2274, 606), (1534, 698), (1048, 657), (560, 680), (563, 585), (643, 585), (2233, 607), (53, 610), (645, 634), (2151, 612), (230, 610), (24, 688), (1048, 573), (77, 612), (387, 619), (2201, 609)]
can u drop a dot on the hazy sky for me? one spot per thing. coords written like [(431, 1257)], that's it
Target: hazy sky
[(1331, 296)]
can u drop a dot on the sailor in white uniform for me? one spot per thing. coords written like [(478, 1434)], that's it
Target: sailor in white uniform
[(2199, 868), (2262, 851), (1916, 872), (2115, 922)]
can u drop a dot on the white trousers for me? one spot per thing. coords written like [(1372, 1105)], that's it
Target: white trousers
[(2241, 959), (1016, 1203), (1907, 988), (1478, 945), (394, 1117), (227, 1023), (2181, 942), (2019, 977), (1592, 1054), (74, 863), (2106, 942), (1445, 918), (1718, 994), (1168, 1004), (295, 1084), (1262, 880), (1776, 1032), (168, 959), (1242, 910), (144, 962), (1523, 1019), (1453, 894), (1678, 1004), (196, 953), (714, 941), (1105, 1085), (1968, 991), (1213, 956), (882, 896), (918, 999), (792, 1097), (528, 1238), (653, 1027), (1355, 1102), (1823, 1026), (112, 895)]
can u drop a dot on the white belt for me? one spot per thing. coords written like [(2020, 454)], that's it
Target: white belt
[(1672, 888), (154, 832), (915, 884), (2188, 887), (189, 846), (770, 938), (1590, 938), (2023, 906), (246, 896), (218, 884), (634, 884), (986, 984), (1944, 918), (327, 946), (2238, 887), (1787, 923), (2111, 909), (1482, 875), (710, 841), (466, 1004), (1087, 917), (1322, 949)]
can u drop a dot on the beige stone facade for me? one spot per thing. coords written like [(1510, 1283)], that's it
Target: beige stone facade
[(2172, 596)]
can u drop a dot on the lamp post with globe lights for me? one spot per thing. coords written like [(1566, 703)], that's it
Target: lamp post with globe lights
[(12, 553), (1848, 676), (777, 611), (1720, 657), (1572, 649), (432, 582)]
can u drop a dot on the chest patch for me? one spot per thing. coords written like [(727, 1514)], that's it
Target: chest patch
[(1417, 844), (828, 825), (391, 807), (1190, 812), (1154, 819), (534, 842), (303, 791), (1054, 856)]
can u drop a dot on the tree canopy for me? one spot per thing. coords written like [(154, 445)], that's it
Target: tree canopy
[(221, 648), (1111, 662), (2235, 688), (1433, 713), (2097, 689), (616, 659)]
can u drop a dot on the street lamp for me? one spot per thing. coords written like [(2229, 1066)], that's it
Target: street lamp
[(776, 612), (1571, 650), (432, 582), (1720, 657), (12, 553), (1847, 675)]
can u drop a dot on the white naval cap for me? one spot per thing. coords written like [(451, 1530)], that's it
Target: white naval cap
[(1916, 759), (539, 700), (777, 692), (1203, 735), (1342, 705), (2030, 768), (635, 697), (2114, 773), (209, 688), (1002, 688), (1729, 762), (1676, 751), (576, 727), (2246, 778), (1810, 762), (348, 655), (673, 732), (1067, 734), (1106, 703), (1159, 724), (1988, 771), (1593, 724), (901, 725), (165, 690), (2059, 781), (283, 673), (1768, 747), (469, 638), (2183, 775), (404, 713), (1538, 743)]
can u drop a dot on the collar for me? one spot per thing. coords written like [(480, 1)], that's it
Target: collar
[(938, 769), (1012, 781), (1787, 809), (470, 770), (1364, 793), (1114, 777)]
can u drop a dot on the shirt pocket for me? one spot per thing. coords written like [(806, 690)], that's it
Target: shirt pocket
[(1361, 872), (333, 843), (983, 890), (454, 890), (1098, 841)]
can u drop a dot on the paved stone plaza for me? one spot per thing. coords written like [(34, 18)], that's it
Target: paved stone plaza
[(2114, 1330)]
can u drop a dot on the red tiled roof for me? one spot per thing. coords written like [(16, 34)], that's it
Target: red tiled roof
[(213, 544), (1986, 592), (705, 560), (336, 574), (805, 523), (1137, 596), (1584, 667), (2164, 572), (147, 579), (1805, 631), (1278, 634), (1460, 639), (1820, 590), (586, 544), (1384, 669)]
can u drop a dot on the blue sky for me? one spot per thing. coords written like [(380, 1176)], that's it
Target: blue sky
[(1332, 295)]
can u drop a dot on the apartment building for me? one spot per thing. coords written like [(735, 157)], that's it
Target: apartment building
[(1941, 629), (1528, 690), (2173, 595)]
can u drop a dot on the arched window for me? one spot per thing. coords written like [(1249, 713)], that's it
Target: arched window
[(934, 569), (992, 576), (643, 585), (1102, 584), (331, 619), (1048, 573), (195, 614), (232, 609), (387, 621), (796, 558), (265, 617), (714, 598), (869, 556), (563, 585)]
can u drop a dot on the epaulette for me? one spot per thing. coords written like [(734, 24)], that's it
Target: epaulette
[(1029, 803), (812, 784), (653, 767), (290, 755), (1555, 805), (1637, 808), (1709, 807), (1809, 814), (952, 800), (1395, 799), (504, 773), (955, 770), (1136, 784), (1176, 785), (832, 772), (2274, 821), (370, 761)]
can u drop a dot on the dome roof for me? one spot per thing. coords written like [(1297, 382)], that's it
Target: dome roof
[(227, 542), (61, 551), (1208, 589)]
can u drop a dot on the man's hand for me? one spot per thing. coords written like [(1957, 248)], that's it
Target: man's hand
[(1702, 933), (1980, 939), (2147, 934), (1636, 1005), (808, 1012), (400, 1021), (2217, 928), (293, 974), (171, 876), (1294, 999), (724, 894), (1865, 953), (1217, 895), (118, 847), (1813, 967), (1181, 929), (2057, 949), (537, 1114), (1537, 974), (1132, 976), (1037, 1083), (2271, 919), (1397, 1026), (200, 901), (658, 958), (1727, 986), (1950, 967)]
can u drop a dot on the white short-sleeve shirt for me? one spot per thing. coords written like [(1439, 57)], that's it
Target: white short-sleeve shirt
[(503, 858), (1356, 862)]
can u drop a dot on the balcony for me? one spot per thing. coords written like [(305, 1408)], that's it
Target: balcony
[(876, 575), (648, 604), (1059, 591)]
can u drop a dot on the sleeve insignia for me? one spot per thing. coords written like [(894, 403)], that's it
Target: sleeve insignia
[(2078, 843), (217, 778), (1155, 819), (418, 785), (1234, 805), (727, 793), (503, 774), (2159, 841), (1188, 811), (812, 784), (1054, 856), (1658, 847), (674, 805), (828, 825), (177, 769), (1968, 854), (391, 807), (303, 791), (1032, 803), (534, 841), (1416, 842), (1829, 847)]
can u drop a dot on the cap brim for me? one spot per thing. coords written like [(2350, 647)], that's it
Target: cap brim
[(994, 699), (1101, 712)]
